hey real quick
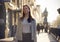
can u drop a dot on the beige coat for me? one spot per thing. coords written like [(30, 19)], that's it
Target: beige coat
[(19, 31)]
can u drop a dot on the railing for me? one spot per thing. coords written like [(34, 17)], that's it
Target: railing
[(56, 32)]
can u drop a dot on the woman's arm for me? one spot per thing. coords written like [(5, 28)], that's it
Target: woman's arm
[(34, 29)]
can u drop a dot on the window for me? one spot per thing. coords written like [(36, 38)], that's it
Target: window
[(13, 0)]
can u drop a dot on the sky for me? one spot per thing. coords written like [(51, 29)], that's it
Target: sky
[(52, 6)]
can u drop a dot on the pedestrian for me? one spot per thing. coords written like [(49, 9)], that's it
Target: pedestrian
[(42, 27), (38, 28), (26, 31), (46, 28)]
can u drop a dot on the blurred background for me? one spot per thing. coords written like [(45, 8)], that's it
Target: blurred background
[(45, 12)]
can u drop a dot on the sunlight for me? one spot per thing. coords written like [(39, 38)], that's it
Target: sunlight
[(52, 6), (43, 37)]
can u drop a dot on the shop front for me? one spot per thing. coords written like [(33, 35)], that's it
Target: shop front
[(2, 18)]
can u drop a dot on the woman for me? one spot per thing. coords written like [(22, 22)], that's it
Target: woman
[(26, 31)]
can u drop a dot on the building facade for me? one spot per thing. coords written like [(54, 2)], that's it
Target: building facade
[(12, 12), (45, 14)]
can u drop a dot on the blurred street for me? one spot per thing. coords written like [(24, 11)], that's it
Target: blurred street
[(46, 13)]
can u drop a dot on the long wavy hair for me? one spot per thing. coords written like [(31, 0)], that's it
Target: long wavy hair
[(30, 17)]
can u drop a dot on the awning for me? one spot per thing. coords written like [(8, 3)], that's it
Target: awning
[(4, 0)]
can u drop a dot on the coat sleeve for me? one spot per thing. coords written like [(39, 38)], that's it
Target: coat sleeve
[(34, 29)]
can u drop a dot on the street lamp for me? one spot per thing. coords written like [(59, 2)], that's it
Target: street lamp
[(58, 10)]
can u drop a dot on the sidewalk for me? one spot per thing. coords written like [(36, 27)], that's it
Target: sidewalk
[(42, 37), (45, 37), (10, 39)]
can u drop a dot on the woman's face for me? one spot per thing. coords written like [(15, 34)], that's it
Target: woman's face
[(26, 10)]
